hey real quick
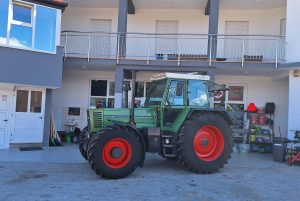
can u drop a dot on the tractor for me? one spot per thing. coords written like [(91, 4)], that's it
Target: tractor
[(175, 121)]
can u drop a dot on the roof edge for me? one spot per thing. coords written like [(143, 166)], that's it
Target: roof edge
[(51, 3)]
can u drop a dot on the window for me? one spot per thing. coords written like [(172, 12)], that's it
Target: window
[(166, 44), (29, 101), (233, 100), (36, 102), (28, 26), (175, 94), (22, 101), (45, 29), (102, 94), (22, 13), (198, 95), (155, 93), (283, 27), (100, 39), (3, 20), (236, 93), (21, 25)]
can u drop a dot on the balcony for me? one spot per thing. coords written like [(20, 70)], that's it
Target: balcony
[(177, 48)]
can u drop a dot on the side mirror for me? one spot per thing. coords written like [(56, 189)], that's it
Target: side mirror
[(179, 89)]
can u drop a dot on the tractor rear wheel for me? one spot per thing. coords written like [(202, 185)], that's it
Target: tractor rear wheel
[(205, 143), (83, 143), (115, 152)]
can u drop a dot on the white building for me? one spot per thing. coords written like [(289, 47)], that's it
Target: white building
[(251, 46)]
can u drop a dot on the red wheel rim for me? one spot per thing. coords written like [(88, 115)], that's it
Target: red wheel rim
[(208, 143), (119, 159)]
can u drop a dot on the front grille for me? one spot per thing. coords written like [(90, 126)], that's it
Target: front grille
[(98, 119)]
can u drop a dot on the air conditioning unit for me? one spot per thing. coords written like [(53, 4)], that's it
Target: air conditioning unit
[(296, 73)]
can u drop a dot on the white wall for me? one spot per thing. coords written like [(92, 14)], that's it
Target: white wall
[(262, 90), (75, 91), (190, 20), (76, 88), (294, 105), (77, 19), (293, 31)]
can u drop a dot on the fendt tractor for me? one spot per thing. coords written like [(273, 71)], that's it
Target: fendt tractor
[(175, 121)]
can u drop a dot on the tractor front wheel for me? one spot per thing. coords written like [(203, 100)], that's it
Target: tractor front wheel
[(205, 143), (115, 152)]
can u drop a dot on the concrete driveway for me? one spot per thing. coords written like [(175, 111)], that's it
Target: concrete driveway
[(61, 174)]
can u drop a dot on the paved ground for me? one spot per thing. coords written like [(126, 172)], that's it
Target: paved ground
[(61, 174)]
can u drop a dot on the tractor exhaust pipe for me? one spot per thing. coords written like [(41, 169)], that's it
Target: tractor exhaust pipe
[(132, 97)]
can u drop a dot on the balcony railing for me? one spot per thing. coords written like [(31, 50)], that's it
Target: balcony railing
[(176, 47)]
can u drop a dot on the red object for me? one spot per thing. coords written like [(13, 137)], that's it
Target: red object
[(208, 143), (293, 158), (124, 149), (254, 119), (252, 108), (262, 119)]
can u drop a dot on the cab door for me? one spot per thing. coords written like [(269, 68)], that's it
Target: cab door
[(173, 106)]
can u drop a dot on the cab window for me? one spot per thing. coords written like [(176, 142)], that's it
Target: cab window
[(198, 95), (175, 94)]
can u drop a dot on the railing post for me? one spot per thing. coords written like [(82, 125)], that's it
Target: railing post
[(66, 42), (210, 49), (178, 51), (243, 52), (89, 48), (118, 48), (276, 62), (148, 50)]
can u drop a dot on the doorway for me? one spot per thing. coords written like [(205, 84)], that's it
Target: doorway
[(29, 116), (4, 120)]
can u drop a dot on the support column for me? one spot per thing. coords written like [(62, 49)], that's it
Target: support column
[(292, 31), (47, 118), (213, 27), (122, 27), (212, 75), (119, 78), (294, 106)]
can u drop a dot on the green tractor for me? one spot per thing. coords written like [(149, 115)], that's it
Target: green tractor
[(175, 121)]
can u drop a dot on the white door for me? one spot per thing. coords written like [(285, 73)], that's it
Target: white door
[(167, 39), (234, 44), (29, 116), (100, 38), (4, 120)]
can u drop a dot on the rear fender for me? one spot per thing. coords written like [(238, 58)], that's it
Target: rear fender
[(223, 113)]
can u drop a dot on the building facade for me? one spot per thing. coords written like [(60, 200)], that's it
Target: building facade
[(250, 46)]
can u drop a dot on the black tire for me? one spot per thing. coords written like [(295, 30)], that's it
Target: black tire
[(83, 143), (97, 146), (186, 152)]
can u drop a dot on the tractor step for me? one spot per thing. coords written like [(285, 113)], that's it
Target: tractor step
[(170, 156), (167, 136), (168, 145)]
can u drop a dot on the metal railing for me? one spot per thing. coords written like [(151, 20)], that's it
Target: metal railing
[(175, 47)]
